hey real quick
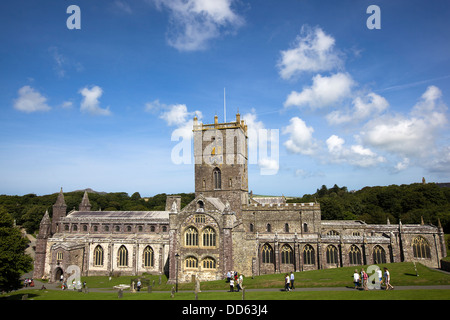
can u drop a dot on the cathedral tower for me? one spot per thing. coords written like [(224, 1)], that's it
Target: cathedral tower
[(59, 211), (221, 156)]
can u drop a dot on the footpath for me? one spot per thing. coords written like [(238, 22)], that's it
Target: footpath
[(54, 286)]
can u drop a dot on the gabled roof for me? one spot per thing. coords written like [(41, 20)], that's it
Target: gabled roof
[(118, 215)]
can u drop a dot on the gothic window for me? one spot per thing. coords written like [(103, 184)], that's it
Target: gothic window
[(354, 255), (208, 263), (286, 227), (356, 233), (123, 257), (217, 178), (152, 228), (98, 256), (106, 228), (200, 218), (269, 228), (379, 255), (305, 227), (117, 228), (59, 256), (287, 255), (74, 227), (332, 255), (421, 248), (191, 237), (267, 253), (95, 228), (148, 257), (252, 228), (209, 237), (128, 228), (84, 227), (140, 228), (332, 233), (164, 229), (66, 227), (191, 262), (308, 255)]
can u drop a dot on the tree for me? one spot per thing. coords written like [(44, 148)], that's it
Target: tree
[(13, 260)]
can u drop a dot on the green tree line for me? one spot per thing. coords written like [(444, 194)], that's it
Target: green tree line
[(408, 203), (28, 210)]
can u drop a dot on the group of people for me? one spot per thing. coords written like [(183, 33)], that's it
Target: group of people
[(361, 279), (28, 282), (289, 282), (235, 280)]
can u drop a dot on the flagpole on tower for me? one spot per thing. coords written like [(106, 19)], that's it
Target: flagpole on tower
[(224, 107)]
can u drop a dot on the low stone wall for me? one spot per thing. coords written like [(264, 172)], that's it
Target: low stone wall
[(445, 265)]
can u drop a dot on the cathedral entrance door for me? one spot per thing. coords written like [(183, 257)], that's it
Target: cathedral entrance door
[(58, 273)]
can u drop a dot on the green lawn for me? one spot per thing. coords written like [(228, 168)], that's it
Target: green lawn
[(402, 274), (438, 294)]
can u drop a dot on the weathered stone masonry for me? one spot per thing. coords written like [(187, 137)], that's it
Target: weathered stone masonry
[(224, 228)]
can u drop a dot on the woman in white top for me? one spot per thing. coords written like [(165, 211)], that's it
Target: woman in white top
[(356, 279), (387, 279)]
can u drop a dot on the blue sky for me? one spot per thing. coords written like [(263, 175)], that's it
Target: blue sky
[(96, 107)]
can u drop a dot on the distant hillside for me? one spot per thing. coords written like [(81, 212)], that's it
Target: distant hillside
[(408, 203), (29, 209)]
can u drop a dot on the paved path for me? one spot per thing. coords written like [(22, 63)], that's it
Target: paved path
[(53, 286)]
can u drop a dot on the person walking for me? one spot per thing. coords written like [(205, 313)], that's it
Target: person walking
[(387, 279), (231, 284), (356, 279), (286, 283), (292, 278), (365, 279)]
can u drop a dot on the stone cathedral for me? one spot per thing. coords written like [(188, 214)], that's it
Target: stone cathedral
[(224, 228)]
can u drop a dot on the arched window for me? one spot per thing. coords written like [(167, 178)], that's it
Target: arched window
[(191, 263), (148, 257), (379, 255), (98, 256), (208, 263), (191, 237), (252, 228), (267, 253), (332, 255), (287, 254), (269, 228), (354, 255), (308, 255), (286, 227), (305, 227), (217, 178), (209, 237), (421, 248), (332, 233), (123, 257)]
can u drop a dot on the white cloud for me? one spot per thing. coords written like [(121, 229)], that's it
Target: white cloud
[(262, 142), (402, 165), (355, 155), (324, 91), (409, 136), (90, 102), (177, 115), (123, 6), (300, 139), (363, 108), (194, 22), (30, 100), (313, 51)]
